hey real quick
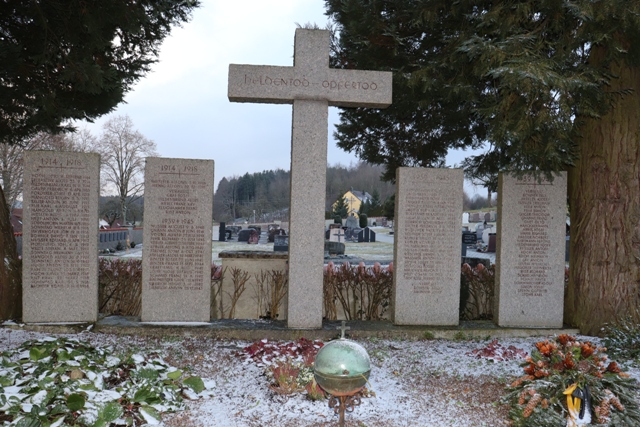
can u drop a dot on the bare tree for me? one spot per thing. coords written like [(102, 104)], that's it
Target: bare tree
[(11, 157), (122, 151)]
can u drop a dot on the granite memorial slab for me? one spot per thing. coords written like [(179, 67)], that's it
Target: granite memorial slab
[(530, 248), (176, 265), (311, 86), (426, 274), (60, 237)]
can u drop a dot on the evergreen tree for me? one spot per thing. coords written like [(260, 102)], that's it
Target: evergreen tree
[(545, 85), (341, 208), (69, 59), (375, 206)]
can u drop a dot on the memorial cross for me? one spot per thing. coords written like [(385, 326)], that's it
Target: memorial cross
[(343, 328), (311, 86)]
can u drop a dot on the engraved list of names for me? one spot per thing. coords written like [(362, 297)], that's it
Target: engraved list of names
[(60, 236), (428, 210), (177, 239), (530, 251)]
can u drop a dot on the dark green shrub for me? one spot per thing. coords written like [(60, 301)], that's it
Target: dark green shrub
[(622, 338), (363, 220)]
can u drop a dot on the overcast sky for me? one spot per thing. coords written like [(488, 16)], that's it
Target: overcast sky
[(182, 104)]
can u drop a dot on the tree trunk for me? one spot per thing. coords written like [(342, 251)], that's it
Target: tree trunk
[(604, 194), (10, 267)]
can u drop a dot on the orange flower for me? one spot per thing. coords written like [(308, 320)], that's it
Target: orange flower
[(564, 339), (530, 370), (613, 367), (568, 362), (587, 349)]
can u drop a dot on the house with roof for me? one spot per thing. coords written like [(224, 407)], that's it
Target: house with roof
[(354, 200)]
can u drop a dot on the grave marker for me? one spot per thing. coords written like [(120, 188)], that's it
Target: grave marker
[(176, 266), (60, 244), (311, 86), (530, 252), (426, 274)]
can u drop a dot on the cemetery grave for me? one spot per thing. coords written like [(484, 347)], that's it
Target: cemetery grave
[(416, 382)]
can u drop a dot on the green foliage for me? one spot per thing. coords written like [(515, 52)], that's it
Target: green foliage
[(375, 205), (69, 382), (537, 398), (428, 335), (622, 338), (73, 59), (519, 75), (341, 208), (389, 207), (362, 220)]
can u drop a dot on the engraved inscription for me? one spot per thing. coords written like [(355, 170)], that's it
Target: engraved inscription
[(61, 221), (532, 244), (177, 238), (426, 222), (175, 256), (339, 85)]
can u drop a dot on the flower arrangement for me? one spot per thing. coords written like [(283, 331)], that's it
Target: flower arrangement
[(568, 382), (288, 366)]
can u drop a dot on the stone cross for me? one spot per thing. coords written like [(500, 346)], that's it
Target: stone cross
[(343, 329), (311, 86)]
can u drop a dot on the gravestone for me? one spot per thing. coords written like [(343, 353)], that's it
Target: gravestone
[(366, 235), (254, 237), (311, 86), (530, 251), (60, 237), (176, 266), (280, 243), (352, 222), (222, 232), (465, 217), (244, 235), (335, 233), (468, 238), (426, 274)]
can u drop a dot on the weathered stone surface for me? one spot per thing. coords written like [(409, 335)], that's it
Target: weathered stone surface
[(426, 280), (176, 265), (60, 245), (530, 252), (311, 86)]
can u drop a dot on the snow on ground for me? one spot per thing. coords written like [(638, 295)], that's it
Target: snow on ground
[(426, 383)]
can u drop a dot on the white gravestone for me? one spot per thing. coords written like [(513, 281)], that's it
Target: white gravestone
[(311, 86), (530, 251), (426, 274)]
